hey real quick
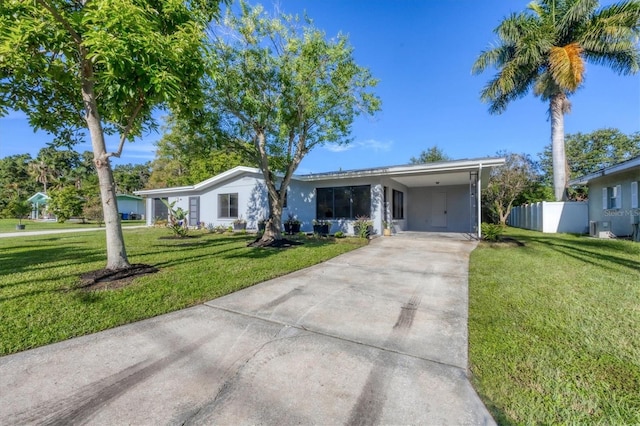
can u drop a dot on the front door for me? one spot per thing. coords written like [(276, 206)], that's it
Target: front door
[(439, 210), (194, 211)]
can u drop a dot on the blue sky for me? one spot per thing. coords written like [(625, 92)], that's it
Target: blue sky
[(422, 53)]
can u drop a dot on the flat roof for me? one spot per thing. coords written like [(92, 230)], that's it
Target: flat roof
[(445, 172)]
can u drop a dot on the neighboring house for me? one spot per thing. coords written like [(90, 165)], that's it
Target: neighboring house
[(439, 197), (131, 206), (614, 194), (39, 202)]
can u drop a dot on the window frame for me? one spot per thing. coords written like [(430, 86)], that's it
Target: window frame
[(612, 197), (348, 200), (229, 205), (397, 205)]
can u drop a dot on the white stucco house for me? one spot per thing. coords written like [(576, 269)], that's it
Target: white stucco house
[(614, 194), (437, 197)]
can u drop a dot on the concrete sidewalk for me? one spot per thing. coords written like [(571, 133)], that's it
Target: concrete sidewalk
[(59, 231), (375, 336)]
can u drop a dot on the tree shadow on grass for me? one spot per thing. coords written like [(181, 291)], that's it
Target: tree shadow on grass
[(591, 251), (44, 257), (201, 242), (198, 257)]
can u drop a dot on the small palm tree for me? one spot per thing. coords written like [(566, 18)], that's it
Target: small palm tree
[(19, 209), (546, 47), (41, 172)]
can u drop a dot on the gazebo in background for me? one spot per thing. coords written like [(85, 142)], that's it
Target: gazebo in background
[(39, 203)]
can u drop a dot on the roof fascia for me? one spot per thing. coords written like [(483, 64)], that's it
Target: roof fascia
[(439, 167)]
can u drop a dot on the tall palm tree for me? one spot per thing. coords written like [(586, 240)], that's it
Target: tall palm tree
[(546, 47)]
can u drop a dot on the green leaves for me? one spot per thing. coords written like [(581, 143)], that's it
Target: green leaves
[(141, 54), (66, 203), (287, 84)]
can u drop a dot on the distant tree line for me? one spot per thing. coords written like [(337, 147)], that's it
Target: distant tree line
[(57, 171)]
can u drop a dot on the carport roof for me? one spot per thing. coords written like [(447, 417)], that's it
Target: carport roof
[(440, 173)]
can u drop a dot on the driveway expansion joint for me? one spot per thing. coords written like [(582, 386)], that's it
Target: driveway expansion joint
[(342, 338)]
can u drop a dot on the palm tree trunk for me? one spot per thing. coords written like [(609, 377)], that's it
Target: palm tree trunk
[(557, 109)]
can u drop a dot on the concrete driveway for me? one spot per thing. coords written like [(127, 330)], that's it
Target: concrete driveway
[(375, 336)]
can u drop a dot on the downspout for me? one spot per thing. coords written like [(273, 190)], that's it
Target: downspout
[(479, 201)]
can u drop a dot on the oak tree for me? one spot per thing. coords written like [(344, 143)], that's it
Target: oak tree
[(102, 66), (430, 155), (282, 89)]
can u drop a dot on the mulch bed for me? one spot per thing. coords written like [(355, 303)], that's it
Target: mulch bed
[(273, 243), (506, 242), (108, 279)]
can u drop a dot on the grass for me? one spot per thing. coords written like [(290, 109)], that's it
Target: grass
[(554, 329), (9, 225), (40, 301)]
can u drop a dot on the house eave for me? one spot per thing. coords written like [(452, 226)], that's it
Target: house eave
[(133, 197), (407, 170), (229, 174)]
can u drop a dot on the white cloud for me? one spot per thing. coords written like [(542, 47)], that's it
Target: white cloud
[(369, 144), (338, 148)]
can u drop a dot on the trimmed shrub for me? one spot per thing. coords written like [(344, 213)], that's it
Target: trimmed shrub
[(491, 232)]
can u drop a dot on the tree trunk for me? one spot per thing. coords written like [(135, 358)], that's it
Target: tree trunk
[(116, 253), (273, 230), (557, 109)]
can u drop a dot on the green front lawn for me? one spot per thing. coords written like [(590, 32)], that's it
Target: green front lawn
[(554, 329), (40, 301)]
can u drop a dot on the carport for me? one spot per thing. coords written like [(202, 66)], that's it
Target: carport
[(440, 197)]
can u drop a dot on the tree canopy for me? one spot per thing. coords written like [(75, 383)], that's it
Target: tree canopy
[(513, 180), (101, 66), (546, 47), (281, 89), (590, 152), (191, 151), (430, 155)]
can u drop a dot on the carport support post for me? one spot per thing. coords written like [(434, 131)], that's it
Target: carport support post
[(479, 201)]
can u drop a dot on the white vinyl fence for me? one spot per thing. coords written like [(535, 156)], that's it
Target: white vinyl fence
[(549, 217)]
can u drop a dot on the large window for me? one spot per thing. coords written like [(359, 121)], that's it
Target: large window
[(228, 206), (344, 202), (398, 204), (160, 209)]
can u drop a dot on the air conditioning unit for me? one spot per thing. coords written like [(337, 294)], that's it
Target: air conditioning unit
[(600, 229)]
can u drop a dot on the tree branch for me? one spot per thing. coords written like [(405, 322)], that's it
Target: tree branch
[(127, 129), (62, 21)]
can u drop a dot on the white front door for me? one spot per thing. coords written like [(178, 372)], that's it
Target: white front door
[(439, 210)]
